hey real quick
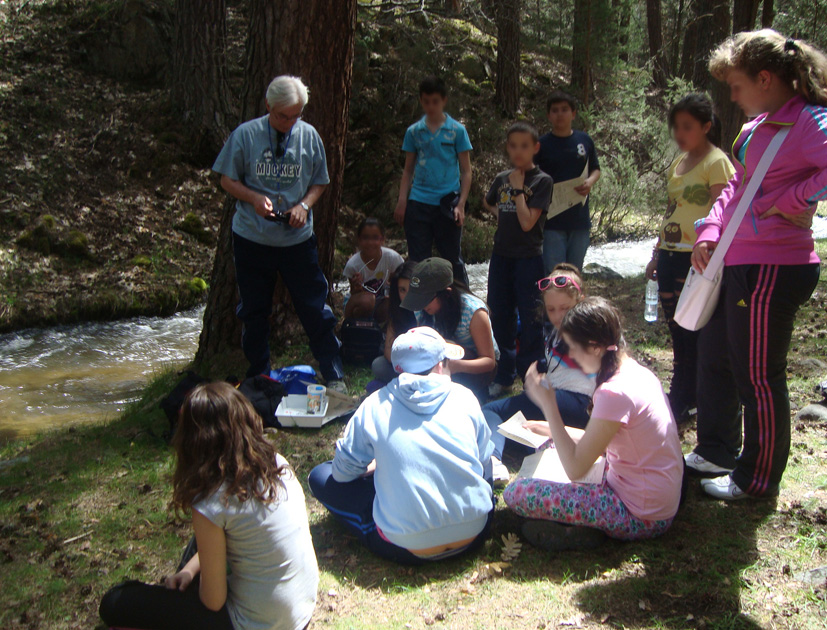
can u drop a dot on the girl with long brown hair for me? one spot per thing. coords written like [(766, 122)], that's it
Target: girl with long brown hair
[(249, 515)]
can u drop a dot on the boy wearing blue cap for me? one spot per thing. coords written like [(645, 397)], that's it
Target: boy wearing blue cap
[(411, 476)]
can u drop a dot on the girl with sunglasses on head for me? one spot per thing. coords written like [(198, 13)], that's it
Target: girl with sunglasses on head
[(560, 292), (630, 422), (369, 271)]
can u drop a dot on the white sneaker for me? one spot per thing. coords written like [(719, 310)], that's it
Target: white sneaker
[(700, 467), (723, 488), (495, 390), (500, 472), (338, 386)]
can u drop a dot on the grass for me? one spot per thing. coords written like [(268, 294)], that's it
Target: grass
[(87, 509)]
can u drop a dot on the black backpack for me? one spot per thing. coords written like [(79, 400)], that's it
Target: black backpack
[(265, 394), (361, 340), (172, 402)]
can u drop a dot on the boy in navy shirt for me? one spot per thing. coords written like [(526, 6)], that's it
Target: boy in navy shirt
[(519, 197), (437, 175), (564, 153)]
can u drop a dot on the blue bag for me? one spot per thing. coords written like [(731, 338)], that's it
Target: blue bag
[(291, 378)]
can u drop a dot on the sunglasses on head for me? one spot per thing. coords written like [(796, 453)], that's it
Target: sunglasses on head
[(558, 282)]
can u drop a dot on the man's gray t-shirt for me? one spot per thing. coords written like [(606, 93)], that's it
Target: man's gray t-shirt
[(273, 575), (248, 157)]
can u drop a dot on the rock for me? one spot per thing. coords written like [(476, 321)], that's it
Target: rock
[(472, 67), (814, 364), (599, 271), (133, 40), (813, 413)]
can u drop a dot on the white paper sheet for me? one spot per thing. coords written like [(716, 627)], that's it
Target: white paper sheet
[(564, 196), (546, 465), (513, 429)]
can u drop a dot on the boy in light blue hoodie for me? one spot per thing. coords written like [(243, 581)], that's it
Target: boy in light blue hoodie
[(412, 475)]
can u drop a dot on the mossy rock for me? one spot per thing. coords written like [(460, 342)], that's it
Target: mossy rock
[(48, 221), (193, 226), (39, 239), (75, 245), (472, 67), (197, 285), (142, 261)]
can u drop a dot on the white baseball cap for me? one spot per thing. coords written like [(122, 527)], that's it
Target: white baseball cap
[(420, 349)]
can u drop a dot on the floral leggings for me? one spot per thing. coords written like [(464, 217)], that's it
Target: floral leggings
[(588, 505)]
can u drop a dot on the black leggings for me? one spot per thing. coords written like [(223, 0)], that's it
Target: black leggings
[(673, 267), (133, 604)]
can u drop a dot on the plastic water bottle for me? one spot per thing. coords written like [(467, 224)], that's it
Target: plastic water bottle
[(650, 314)]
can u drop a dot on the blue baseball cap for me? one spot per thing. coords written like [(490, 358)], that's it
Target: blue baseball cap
[(420, 349)]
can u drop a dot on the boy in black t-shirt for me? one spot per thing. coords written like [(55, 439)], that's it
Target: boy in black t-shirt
[(519, 198), (564, 153)]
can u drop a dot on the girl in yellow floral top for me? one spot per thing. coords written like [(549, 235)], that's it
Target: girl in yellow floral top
[(696, 178)]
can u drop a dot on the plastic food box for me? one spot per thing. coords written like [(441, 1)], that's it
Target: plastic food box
[(292, 412)]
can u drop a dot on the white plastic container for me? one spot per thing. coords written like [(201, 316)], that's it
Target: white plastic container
[(292, 412)]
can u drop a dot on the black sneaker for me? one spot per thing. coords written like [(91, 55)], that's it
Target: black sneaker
[(554, 536)]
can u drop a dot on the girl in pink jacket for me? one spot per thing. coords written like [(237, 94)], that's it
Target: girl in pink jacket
[(771, 268)]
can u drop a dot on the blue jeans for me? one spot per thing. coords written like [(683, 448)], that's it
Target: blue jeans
[(426, 226), (257, 268), (561, 246), (573, 409), (512, 289), (351, 504)]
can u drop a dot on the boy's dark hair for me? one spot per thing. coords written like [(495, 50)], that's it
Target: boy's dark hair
[(522, 126), (700, 107), (433, 85), (401, 319), (370, 222), (559, 96)]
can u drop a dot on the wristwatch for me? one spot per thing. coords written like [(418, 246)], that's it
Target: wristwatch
[(305, 206), (517, 191)]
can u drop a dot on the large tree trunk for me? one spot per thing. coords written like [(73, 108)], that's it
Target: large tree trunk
[(767, 13), (198, 80), (581, 50), (312, 39), (707, 28), (507, 90), (744, 14), (654, 27)]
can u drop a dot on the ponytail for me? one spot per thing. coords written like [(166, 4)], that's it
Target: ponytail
[(802, 66)]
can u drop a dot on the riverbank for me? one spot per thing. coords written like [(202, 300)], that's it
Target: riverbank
[(84, 508)]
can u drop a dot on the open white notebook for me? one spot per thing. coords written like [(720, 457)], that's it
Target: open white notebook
[(546, 465)]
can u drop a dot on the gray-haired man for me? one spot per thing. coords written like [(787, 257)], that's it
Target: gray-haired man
[(275, 167)]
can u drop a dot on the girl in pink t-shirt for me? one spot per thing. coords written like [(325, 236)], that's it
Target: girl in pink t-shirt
[(630, 422)]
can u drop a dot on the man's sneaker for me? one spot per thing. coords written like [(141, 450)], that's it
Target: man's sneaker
[(699, 467), (496, 390), (337, 386), (723, 488), (501, 474), (553, 536)]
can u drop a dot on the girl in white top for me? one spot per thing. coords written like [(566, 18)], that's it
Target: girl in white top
[(248, 513), (369, 271)]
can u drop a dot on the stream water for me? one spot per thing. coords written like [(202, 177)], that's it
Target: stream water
[(86, 372)]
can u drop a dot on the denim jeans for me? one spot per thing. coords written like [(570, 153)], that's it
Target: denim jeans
[(573, 409), (564, 246), (426, 226), (512, 290), (351, 504), (257, 268)]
